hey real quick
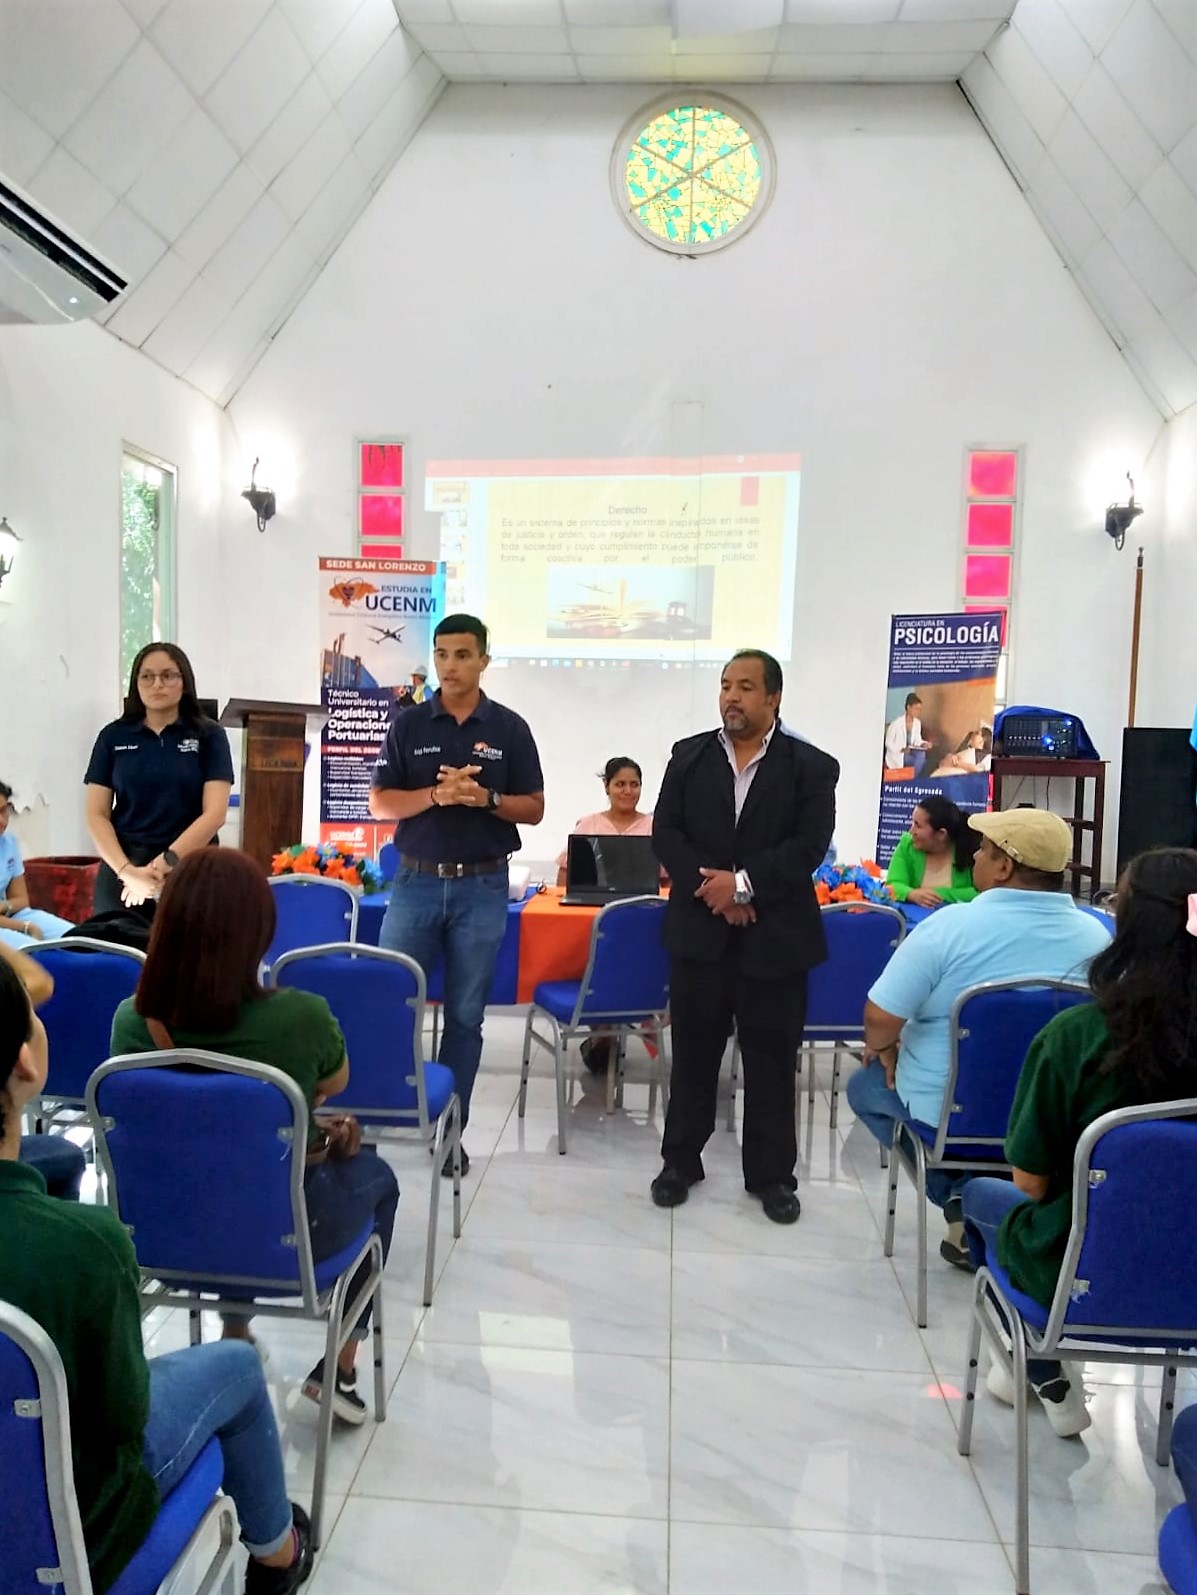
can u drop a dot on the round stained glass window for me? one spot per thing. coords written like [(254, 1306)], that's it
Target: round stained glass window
[(691, 177)]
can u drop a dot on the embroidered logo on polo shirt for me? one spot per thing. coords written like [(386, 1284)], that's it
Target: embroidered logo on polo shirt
[(485, 751), (125, 747), (189, 745)]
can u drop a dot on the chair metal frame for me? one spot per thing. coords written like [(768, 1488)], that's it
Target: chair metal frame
[(910, 1154), (51, 1410), (1063, 1341), (166, 1287), (50, 1108), (583, 1020), (396, 1123), (288, 882), (840, 1036)]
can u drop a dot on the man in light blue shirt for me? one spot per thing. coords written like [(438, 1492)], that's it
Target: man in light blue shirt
[(1020, 927)]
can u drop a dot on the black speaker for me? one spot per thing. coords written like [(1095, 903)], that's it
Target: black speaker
[(1158, 806)]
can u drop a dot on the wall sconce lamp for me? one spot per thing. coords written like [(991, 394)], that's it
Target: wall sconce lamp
[(261, 499), (9, 544), (1120, 516)]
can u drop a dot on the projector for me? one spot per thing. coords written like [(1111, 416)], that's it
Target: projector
[(1035, 736)]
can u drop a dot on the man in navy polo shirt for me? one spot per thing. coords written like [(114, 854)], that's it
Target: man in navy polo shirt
[(458, 773)]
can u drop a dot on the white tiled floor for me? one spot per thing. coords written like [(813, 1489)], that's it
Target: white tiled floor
[(606, 1399)]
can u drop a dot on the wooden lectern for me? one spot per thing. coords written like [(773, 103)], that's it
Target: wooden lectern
[(271, 772)]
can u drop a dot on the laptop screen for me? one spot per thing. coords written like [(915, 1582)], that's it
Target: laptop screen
[(612, 864)]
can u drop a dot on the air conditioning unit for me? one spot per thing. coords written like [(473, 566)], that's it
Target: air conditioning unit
[(45, 274)]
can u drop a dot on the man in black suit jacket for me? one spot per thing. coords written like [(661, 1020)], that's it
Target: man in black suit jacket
[(744, 818)]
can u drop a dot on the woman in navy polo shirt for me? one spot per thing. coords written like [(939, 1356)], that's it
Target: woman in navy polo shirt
[(158, 782)]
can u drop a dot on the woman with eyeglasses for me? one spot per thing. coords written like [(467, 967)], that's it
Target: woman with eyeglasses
[(158, 782)]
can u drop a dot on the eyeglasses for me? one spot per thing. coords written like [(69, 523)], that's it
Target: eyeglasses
[(168, 678)]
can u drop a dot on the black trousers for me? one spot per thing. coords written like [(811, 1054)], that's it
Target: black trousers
[(107, 896), (704, 998)]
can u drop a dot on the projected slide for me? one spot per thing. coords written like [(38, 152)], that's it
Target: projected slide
[(622, 559)]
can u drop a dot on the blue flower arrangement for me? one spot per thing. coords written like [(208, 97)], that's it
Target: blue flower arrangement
[(851, 883)]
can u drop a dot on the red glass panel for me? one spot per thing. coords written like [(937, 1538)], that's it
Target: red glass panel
[(382, 550), (976, 609), (381, 465), (992, 475), (987, 576), (990, 526), (380, 517)]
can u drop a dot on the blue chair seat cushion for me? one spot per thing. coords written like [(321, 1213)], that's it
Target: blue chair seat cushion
[(1031, 1311), (327, 1274), (968, 1150), (177, 1520), (558, 997), (1178, 1551), (440, 1085)]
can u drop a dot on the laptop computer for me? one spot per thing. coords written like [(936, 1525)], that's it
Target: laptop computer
[(602, 869)]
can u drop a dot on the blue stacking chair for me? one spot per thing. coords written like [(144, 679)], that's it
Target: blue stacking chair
[(311, 912), (625, 987), (1178, 1550), (388, 860), (991, 1027), (190, 1143), (1127, 1290), (91, 980), (861, 939), (377, 998), (41, 1537)]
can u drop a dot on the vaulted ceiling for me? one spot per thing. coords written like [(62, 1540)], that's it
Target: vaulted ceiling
[(218, 151)]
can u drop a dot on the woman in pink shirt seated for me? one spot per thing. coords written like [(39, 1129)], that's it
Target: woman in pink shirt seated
[(622, 780)]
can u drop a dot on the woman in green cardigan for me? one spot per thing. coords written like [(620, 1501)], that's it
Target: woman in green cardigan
[(933, 863)]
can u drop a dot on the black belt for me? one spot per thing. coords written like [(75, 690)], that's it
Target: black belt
[(452, 872)]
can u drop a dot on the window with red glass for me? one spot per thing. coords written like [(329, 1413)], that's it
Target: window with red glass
[(992, 481), (381, 497)]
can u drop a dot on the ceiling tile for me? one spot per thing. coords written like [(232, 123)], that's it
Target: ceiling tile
[(1089, 171), (831, 67), (753, 41), (245, 252), (23, 145), (143, 12), (1168, 365), (58, 55), (1117, 291), (461, 64), (1157, 267), (275, 289), (541, 68), (917, 37), (200, 37), (1046, 27), (843, 10), (620, 41), (291, 128), (626, 68), (439, 35), (184, 176), (371, 89), (230, 204), (1182, 320), (258, 83), (1115, 126), (601, 13), (1181, 17), (700, 18), (1095, 20), (994, 11), (124, 240), (186, 327), (1034, 92), (519, 13), (303, 177), (316, 23), (236, 346), (901, 67), (1158, 80), (700, 69), (363, 35), (391, 130), (508, 40), (1173, 205), (1013, 136), (424, 11), (118, 145), (323, 224), (1184, 158), (1065, 218), (144, 307), (70, 193)]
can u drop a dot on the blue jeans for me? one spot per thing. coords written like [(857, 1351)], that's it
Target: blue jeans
[(1184, 1457), (59, 1162), (219, 1390), (464, 922), (986, 1203), (879, 1107), (50, 926)]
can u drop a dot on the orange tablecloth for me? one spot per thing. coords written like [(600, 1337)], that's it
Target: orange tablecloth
[(554, 941)]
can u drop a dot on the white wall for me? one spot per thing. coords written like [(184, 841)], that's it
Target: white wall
[(898, 303), (1168, 668), (69, 398)]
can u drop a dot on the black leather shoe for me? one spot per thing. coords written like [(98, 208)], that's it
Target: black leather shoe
[(447, 1165), (262, 1580), (671, 1187), (780, 1204)]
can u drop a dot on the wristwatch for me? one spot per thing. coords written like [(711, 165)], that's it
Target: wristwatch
[(742, 894), (169, 857), (492, 798)]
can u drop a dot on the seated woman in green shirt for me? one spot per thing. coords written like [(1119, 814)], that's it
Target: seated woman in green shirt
[(200, 988), (136, 1426), (1135, 1043), (933, 863)]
